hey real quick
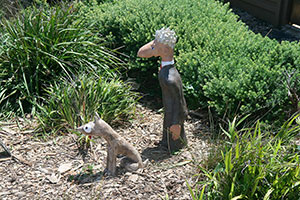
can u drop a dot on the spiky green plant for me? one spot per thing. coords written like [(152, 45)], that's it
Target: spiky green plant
[(72, 103), (255, 165), (42, 44)]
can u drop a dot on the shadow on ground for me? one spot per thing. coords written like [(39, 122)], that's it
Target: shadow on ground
[(86, 177), (157, 153)]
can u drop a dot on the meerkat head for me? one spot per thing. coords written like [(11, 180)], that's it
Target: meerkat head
[(89, 128)]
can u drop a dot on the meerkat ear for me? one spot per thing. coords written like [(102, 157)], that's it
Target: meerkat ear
[(96, 116)]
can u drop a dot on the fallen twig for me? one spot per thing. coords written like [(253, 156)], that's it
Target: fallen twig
[(15, 157), (22, 160), (5, 159), (5, 148)]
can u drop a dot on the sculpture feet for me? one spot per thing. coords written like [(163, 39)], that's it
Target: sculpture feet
[(107, 172)]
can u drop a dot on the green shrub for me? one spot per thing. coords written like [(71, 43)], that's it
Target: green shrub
[(42, 44), (223, 64), (255, 164), (72, 103)]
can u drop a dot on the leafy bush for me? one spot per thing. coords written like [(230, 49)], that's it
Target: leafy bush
[(42, 44), (72, 103), (223, 64), (254, 165)]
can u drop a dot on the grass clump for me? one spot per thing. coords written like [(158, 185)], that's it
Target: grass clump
[(71, 103), (55, 67), (254, 164), (41, 45)]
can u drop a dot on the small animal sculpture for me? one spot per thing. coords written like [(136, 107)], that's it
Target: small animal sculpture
[(115, 145)]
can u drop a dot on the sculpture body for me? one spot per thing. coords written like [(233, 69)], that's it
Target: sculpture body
[(175, 110), (115, 145)]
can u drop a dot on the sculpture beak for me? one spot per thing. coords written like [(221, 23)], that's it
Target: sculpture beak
[(79, 129)]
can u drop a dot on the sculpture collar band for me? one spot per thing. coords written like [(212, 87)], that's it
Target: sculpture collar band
[(165, 63)]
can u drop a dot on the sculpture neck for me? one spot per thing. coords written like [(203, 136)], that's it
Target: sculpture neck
[(105, 131), (167, 57), (165, 63)]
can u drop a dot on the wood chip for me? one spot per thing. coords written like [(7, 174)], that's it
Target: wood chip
[(54, 178), (64, 167), (5, 159), (22, 160)]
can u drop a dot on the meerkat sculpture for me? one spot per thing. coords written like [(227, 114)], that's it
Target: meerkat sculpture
[(115, 145)]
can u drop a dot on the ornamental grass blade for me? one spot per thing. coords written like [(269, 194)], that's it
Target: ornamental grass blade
[(285, 132), (267, 195), (238, 197), (190, 190), (237, 150), (2, 96), (255, 185), (225, 132), (202, 192), (228, 164), (206, 173), (232, 186), (182, 163)]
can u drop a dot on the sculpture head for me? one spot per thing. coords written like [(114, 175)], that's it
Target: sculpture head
[(90, 128), (166, 36), (162, 45)]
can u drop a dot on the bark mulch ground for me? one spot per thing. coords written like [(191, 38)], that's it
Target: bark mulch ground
[(57, 168)]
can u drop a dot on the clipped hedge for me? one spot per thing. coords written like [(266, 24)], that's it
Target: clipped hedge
[(223, 64)]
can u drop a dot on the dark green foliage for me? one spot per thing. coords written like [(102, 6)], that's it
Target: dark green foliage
[(39, 46), (223, 64)]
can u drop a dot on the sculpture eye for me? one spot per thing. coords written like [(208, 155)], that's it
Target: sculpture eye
[(87, 129)]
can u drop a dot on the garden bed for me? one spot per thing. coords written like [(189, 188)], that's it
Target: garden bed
[(81, 174)]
